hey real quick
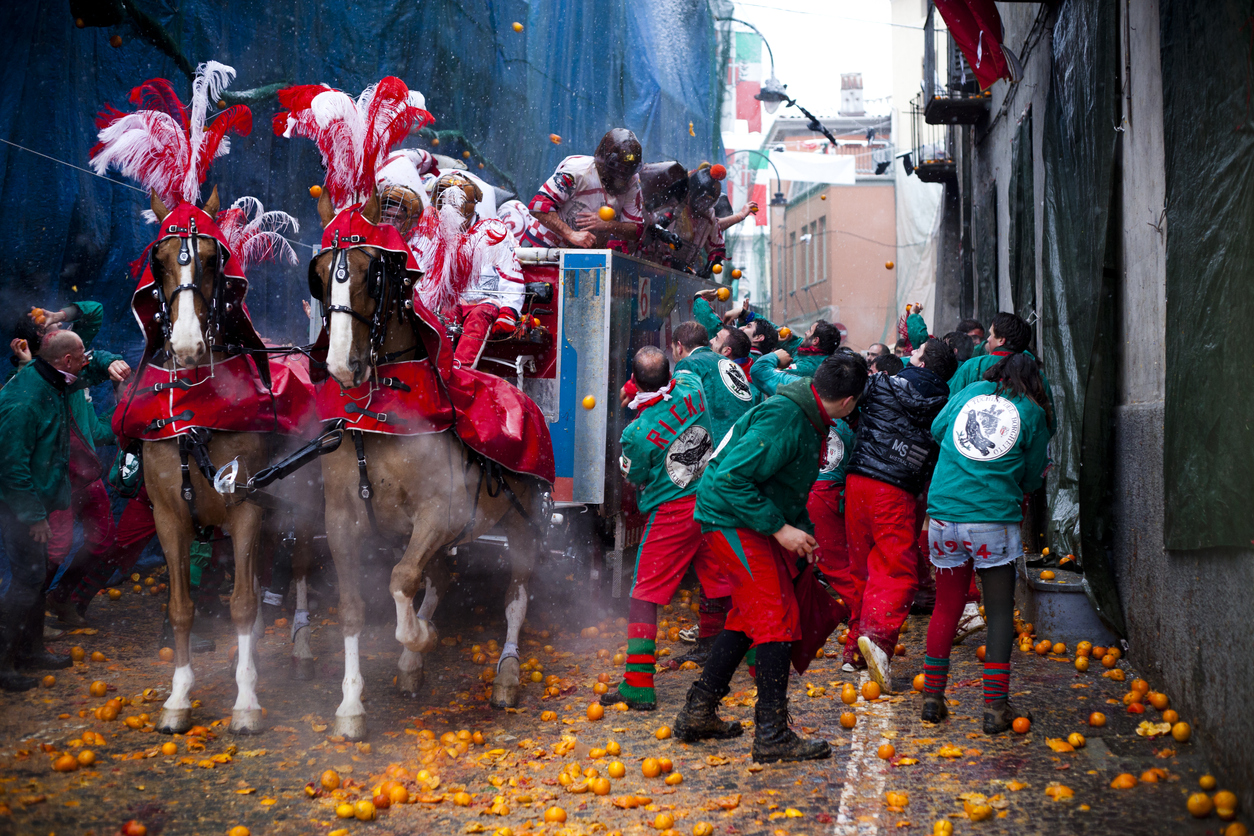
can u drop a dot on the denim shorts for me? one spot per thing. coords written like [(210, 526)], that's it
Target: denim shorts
[(989, 544)]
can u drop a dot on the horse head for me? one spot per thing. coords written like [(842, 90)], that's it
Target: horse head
[(357, 279), (187, 262)]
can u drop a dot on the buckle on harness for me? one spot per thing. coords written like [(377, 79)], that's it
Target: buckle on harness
[(161, 423), (354, 409)]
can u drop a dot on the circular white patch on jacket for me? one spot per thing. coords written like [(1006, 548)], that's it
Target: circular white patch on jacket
[(831, 456), (734, 379), (986, 428), (687, 455)]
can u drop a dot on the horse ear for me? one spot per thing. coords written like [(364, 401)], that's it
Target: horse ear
[(326, 210), (212, 204), (372, 210), (158, 208)]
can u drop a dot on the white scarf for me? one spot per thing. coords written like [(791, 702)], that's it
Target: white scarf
[(642, 398)]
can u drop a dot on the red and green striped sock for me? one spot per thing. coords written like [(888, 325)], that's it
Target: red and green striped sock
[(996, 681), (637, 684), (935, 674)]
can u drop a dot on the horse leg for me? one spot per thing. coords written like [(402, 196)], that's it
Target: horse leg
[(523, 559), (409, 679), (176, 540), (344, 540), (244, 526), (302, 653), (416, 633)]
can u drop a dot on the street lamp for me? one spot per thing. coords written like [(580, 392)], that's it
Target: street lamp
[(774, 92)]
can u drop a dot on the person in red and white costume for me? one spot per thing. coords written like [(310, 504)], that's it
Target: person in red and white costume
[(471, 274), (566, 210)]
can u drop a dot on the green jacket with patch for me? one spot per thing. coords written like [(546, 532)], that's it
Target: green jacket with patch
[(992, 452), (728, 393), (35, 427), (972, 371), (836, 452), (665, 450), (761, 475)]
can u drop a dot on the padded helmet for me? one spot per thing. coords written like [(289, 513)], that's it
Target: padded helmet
[(456, 189), (662, 184), (703, 191), (618, 158)]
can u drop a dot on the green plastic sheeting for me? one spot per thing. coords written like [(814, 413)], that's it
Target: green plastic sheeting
[(1079, 152), (1022, 232), (984, 235), (1208, 121)]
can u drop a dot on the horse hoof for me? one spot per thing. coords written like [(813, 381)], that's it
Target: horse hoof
[(174, 720), (245, 721), (351, 728), (505, 686), (408, 682), (302, 669)]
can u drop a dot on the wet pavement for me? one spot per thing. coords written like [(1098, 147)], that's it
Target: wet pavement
[(513, 777)]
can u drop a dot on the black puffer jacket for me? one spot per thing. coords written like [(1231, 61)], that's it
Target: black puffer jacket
[(895, 428)]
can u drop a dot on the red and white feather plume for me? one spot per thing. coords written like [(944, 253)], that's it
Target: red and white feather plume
[(354, 135), (253, 234), (164, 145)]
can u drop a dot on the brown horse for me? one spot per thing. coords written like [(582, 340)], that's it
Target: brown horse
[(187, 283), (427, 491)]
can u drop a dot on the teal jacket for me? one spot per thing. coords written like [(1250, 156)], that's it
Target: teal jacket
[(916, 330), (761, 474), (728, 393), (666, 448), (768, 376), (35, 425), (835, 455), (972, 371), (993, 450)]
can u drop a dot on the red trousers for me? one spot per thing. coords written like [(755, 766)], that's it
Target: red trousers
[(671, 543), (763, 601), (882, 522), (476, 322), (832, 554), (89, 504)]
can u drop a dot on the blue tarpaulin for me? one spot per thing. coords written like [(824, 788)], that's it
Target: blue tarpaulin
[(578, 68)]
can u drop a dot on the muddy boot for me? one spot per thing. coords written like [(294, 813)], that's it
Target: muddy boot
[(10, 679), (934, 708), (65, 611), (614, 697), (999, 715), (773, 740), (699, 654), (699, 720)]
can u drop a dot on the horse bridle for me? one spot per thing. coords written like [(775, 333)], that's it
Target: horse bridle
[(189, 253), (379, 287)]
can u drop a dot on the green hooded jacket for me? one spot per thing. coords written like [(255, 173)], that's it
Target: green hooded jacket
[(761, 474), (992, 452), (666, 448), (35, 418), (728, 393)]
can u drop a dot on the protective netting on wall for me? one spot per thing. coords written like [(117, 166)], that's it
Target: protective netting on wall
[(1208, 120), (578, 68), (1022, 232), (1079, 264)]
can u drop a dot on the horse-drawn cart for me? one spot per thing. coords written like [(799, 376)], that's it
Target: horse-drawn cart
[(588, 312)]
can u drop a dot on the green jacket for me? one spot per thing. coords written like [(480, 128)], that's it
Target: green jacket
[(703, 313), (972, 371), (760, 476), (916, 330), (35, 427), (728, 393), (836, 453), (992, 452), (666, 448), (768, 376), (87, 325)]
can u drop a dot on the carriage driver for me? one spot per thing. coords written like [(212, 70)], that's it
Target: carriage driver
[(664, 452), (470, 269), (565, 212)]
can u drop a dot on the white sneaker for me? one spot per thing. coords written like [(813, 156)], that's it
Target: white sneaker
[(877, 663), (848, 668), (970, 622), (690, 634)]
